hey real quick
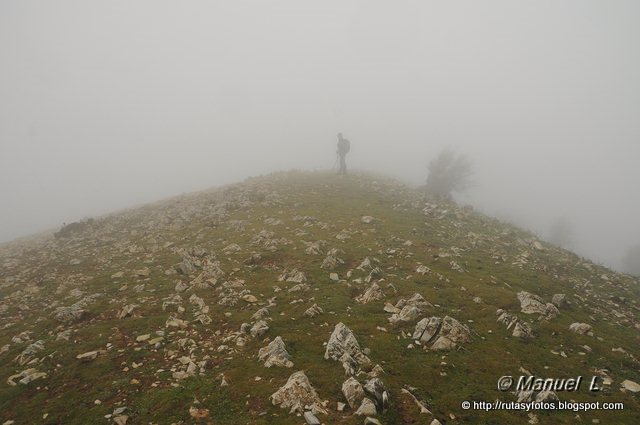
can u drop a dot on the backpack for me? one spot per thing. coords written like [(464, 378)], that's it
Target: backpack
[(344, 146)]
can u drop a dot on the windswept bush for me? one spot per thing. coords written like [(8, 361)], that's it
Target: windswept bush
[(448, 172)]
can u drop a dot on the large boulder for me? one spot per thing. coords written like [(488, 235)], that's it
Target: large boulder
[(377, 390), (343, 341), (530, 303), (441, 334), (367, 408), (533, 304), (409, 313), (427, 329), (275, 354), (296, 394), (353, 392)]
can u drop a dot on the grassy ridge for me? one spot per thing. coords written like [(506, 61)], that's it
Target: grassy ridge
[(38, 277)]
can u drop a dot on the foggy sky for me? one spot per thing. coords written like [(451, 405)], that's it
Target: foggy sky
[(107, 104)]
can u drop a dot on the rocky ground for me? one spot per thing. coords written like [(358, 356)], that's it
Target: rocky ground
[(306, 298)]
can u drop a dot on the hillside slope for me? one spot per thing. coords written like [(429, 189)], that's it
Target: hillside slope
[(158, 314)]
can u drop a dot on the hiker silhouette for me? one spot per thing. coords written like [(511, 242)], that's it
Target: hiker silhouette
[(344, 146)]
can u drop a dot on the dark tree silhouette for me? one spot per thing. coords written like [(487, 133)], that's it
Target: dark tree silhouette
[(448, 172)]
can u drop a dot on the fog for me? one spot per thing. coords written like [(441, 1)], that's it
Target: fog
[(104, 105)]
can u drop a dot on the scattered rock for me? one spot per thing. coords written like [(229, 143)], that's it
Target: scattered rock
[(143, 338), (70, 314), (313, 311), (581, 328), (520, 329), (421, 405), (300, 287), (181, 286), (231, 248), (294, 275), (332, 261), (249, 298), (259, 328), (88, 356), (559, 300), (537, 245), (185, 267), (126, 311), (174, 322), (197, 414), (142, 273), (262, 313), (29, 353), (64, 335), (409, 313), (26, 376), (373, 293), (422, 269), (311, 419), (121, 419), (630, 386)]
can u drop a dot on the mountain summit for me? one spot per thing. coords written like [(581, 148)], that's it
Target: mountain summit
[(310, 298)]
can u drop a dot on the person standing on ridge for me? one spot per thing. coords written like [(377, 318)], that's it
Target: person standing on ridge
[(344, 146)]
